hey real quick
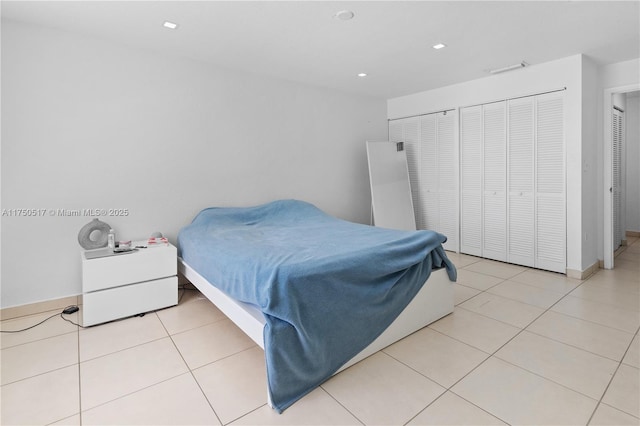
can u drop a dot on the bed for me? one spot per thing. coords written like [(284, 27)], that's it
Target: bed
[(317, 293)]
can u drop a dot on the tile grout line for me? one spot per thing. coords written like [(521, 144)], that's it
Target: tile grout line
[(137, 345), (338, 402), (170, 336), (121, 350), (619, 362), (493, 354), (134, 392), (148, 341), (244, 415), (611, 381), (190, 370), (38, 340), (78, 329), (490, 355), (545, 311), (447, 389), (162, 381), (599, 402)]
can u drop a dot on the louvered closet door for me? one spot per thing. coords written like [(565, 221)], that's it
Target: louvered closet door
[(471, 180), (429, 177), (520, 208), (447, 184), (550, 184), (616, 170), (495, 176)]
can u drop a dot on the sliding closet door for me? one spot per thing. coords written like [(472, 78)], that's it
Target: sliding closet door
[(520, 209), (494, 217), (550, 184), (471, 180), (447, 184)]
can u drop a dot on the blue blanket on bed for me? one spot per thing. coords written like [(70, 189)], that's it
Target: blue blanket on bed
[(327, 287)]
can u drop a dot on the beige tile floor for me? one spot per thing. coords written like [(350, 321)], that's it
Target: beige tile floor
[(522, 347)]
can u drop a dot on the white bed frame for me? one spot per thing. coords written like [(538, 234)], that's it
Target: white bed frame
[(433, 301)]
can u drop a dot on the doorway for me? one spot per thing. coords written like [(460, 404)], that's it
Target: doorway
[(621, 163)]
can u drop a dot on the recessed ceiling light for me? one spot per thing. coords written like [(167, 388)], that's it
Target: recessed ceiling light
[(170, 25), (362, 74), (344, 15), (439, 46)]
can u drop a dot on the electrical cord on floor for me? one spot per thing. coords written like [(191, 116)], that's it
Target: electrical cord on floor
[(66, 311), (74, 308), (184, 290), (69, 310)]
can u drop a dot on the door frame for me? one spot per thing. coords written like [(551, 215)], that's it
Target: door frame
[(607, 169)]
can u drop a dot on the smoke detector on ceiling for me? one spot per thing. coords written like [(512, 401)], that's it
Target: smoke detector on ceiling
[(344, 15)]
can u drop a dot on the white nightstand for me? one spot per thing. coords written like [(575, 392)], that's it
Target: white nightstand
[(121, 285)]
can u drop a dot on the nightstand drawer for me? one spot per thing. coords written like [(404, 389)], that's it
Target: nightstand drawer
[(142, 265), (107, 305)]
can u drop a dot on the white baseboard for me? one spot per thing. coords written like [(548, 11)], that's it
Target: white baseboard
[(38, 307), (583, 275)]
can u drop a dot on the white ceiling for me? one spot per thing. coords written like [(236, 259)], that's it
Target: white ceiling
[(389, 40)]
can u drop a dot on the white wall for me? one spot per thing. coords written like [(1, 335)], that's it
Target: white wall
[(564, 73), (632, 116), (621, 74), (89, 124), (591, 96)]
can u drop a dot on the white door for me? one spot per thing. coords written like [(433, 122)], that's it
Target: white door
[(520, 209), (617, 140), (447, 183), (471, 180), (550, 185), (494, 217)]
